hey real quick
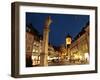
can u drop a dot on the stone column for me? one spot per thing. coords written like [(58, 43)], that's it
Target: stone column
[(44, 54)]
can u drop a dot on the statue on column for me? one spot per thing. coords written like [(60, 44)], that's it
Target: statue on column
[(44, 54)]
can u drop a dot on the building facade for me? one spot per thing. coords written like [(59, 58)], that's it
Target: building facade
[(34, 47), (78, 51)]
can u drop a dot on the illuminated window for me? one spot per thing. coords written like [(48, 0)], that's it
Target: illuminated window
[(36, 51), (33, 50)]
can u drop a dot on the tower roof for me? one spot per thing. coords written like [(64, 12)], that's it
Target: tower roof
[(68, 35)]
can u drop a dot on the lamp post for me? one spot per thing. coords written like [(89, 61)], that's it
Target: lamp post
[(44, 54)]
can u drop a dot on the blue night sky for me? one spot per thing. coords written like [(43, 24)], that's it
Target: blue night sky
[(62, 25)]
